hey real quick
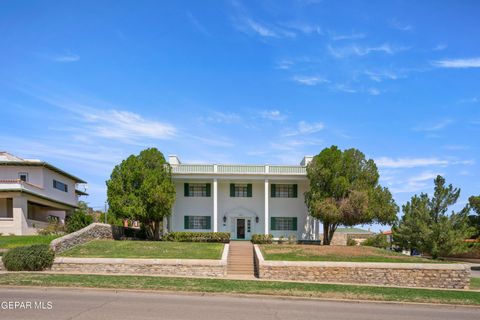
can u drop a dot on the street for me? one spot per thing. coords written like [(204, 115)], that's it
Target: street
[(107, 304)]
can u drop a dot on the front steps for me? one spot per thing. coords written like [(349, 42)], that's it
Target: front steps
[(240, 259)]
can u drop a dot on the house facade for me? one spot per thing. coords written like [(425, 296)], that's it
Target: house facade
[(242, 200), (33, 192)]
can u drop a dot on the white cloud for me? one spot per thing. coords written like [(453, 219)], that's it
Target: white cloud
[(285, 64), (351, 36), (305, 128), (440, 47), (344, 88), (387, 162), (373, 91), (379, 76), (273, 115), (419, 182), (306, 28), (197, 25), (401, 26), (309, 80), (342, 52), (457, 63), (260, 29), (434, 126), (64, 58), (223, 117)]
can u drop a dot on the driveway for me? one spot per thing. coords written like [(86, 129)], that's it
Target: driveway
[(108, 304)]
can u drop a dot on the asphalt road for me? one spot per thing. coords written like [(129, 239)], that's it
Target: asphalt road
[(99, 304)]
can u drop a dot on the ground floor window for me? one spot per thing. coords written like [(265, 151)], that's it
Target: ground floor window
[(197, 222), (284, 223)]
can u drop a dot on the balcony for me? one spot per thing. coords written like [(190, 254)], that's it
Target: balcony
[(232, 169)]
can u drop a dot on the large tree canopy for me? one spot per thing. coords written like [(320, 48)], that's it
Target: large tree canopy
[(426, 225), (344, 190), (141, 188), (474, 219)]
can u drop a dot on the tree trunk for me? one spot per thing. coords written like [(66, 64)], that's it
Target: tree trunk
[(156, 230), (326, 239)]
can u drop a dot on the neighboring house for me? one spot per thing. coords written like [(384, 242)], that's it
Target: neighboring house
[(32, 192), (341, 236), (242, 199)]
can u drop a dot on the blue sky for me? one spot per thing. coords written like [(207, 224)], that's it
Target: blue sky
[(85, 84)]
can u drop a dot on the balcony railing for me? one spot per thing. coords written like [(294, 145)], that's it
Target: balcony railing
[(238, 169)]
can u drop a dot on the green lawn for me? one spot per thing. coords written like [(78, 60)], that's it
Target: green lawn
[(285, 252), (146, 249), (243, 287), (9, 242), (475, 283)]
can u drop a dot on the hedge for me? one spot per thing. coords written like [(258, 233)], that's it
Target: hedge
[(262, 238), (223, 237), (36, 257)]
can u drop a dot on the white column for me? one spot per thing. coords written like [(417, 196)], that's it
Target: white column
[(266, 217), (215, 205), (20, 214)]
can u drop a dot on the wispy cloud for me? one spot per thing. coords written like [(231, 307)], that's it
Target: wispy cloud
[(379, 76), (357, 50), (387, 162), (64, 58), (223, 117), (305, 128), (305, 28), (457, 63), (309, 80), (351, 36), (373, 91), (440, 47), (435, 126), (197, 25), (285, 64), (416, 183), (343, 88), (400, 25), (273, 115)]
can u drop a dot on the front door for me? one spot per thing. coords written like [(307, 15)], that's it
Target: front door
[(240, 228)]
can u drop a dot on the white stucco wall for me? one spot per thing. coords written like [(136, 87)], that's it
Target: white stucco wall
[(35, 174), (59, 195)]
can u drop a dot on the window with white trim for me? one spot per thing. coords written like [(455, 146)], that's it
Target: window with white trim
[(197, 189), (284, 223), (23, 176), (241, 190), (284, 191), (197, 222)]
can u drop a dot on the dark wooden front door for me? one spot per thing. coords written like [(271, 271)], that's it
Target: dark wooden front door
[(240, 228)]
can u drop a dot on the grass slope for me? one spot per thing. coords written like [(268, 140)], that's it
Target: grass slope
[(243, 287), (146, 249), (9, 242), (287, 252)]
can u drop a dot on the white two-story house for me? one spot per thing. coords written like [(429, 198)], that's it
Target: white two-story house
[(32, 193), (242, 200)]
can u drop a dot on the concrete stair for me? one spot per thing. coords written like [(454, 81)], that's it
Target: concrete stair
[(240, 259)]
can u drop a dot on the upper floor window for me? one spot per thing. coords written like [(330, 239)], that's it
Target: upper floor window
[(284, 190), (197, 189), (60, 186), (241, 190), (23, 176)]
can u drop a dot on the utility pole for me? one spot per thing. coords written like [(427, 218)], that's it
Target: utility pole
[(105, 211)]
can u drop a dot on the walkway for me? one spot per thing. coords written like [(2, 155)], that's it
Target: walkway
[(240, 259)]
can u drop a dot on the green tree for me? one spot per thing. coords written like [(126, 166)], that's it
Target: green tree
[(377, 241), (79, 219), (141, 188), (344, 190), (474, 219), (426, 225)]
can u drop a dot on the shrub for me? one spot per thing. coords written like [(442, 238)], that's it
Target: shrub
[(378, 241), (37, 257), (351, 242), (78, 220), (282, 239), (54, 228), (262, 238), (187, 236), (292, 239)]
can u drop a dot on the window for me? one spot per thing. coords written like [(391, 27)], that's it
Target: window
[(284, 190), (238, 190), (197, 189), (60, 186), (197, 222), (23, 176), (284, 223)]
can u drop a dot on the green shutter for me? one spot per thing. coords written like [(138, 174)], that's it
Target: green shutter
[(249, 190), (209, 189), (209, 222), (294, 223), (273, 191), (273, 223), (186, 222), (232, 190), (295, 190), (186, 190)]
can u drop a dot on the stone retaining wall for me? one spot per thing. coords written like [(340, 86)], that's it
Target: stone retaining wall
[(427, 275), (170, 267), (89, 233)]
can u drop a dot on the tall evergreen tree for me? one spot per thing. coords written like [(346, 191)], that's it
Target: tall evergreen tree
[(426, 225), (141, 188), (474, 219), (344, 190)]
